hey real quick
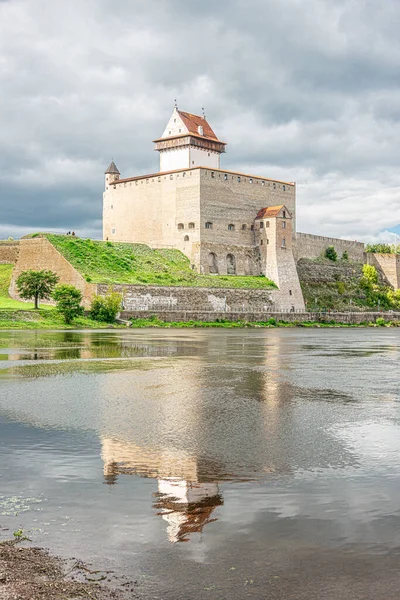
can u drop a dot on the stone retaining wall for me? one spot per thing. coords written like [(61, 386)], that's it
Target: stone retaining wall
[(159, 299)]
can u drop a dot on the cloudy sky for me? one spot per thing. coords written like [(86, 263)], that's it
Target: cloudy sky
[(303, 90)]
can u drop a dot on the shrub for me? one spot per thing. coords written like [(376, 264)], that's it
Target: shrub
[(345, 255), (331, 253), (370, 275), (105, 308), (271, 321), (36, 284), (68, 301), (380, 321), (340, 287)]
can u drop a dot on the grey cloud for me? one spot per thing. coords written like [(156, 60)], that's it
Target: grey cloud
[(302, 91)]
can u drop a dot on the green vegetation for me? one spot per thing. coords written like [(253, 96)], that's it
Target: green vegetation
[(344, 286), (5, 300), (111, 263), (36, 284), (68, 302), (154, 321), (45, 319), (345, 255), (105, 308), (331, 253), (383, 248)]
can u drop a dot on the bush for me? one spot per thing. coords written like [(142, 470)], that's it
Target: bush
[(380, 321), (340, 287), (331, 253), (370, 275), (345, 255), (68, 301), (105, 308), (271, 321)]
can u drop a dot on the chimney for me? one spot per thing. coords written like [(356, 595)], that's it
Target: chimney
[(200, 130)]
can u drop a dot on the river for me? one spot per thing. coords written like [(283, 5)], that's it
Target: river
[(237, 463)]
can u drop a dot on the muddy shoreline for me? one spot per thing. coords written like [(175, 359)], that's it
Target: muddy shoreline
[(30, 573)]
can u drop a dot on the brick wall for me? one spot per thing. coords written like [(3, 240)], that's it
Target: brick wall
[(9, 252), (39, 254), (313, 246)]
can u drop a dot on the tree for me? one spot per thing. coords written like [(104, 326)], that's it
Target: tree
[(105, 308), (36, 284), (370, 275), (331, 253), (68, 300)]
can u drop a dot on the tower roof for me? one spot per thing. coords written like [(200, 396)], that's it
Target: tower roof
[(271, 211), (112, 169), (193, 122)]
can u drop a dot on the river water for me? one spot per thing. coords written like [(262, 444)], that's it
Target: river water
[(208, 463)]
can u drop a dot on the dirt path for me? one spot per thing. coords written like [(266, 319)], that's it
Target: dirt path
[(32, 574)]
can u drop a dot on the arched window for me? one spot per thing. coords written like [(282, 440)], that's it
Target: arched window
[(266, 223), (186, 238), (212, 263), (231, 227), (284, 214), (230, 264), (191, 225), (209, 225), (181, 226), (244, 227)]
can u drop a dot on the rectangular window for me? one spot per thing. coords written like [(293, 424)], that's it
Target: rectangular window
[(283, 224), (283, 243), (261, 225), (112, 230), (209, 225), (225, 177), (212, 173)]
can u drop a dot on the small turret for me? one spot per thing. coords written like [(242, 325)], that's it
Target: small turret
[(112, 173)]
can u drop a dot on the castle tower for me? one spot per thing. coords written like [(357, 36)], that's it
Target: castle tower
[(112, 174), (274, 235), (188, 141)]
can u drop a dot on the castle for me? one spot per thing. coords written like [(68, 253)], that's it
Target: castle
[(225, 222)]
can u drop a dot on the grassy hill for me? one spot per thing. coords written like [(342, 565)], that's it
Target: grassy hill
[(117, 262), (5, 300)]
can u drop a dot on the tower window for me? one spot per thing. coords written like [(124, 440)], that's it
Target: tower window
[(261, 225), (244, 227), (283, 243), (250, 180), (274, 185), (208, 225), (209, 154), (261, 242), (186, 238), (226, 177), (231, 227), (284, 188), (181, 226), (169, 133), (263, 183), (252, 227), (284, 214), (112, 230), (290, 292), (191, 225), (212, 173), (174, 120), (183, 174), (283, 224), (266, 223), (238, 179), (112, 206)]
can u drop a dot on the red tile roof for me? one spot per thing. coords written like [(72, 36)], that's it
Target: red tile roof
[(270, 211), (193, 122)]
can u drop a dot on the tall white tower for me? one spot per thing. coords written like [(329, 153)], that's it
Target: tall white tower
[(188, 141), (112, 174)]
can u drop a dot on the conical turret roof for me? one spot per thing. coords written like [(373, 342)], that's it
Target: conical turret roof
[(112, 169)]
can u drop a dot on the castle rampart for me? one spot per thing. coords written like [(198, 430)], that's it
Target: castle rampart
[(9, 252), (313, 246)]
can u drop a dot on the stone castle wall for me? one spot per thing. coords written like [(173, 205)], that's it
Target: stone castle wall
[(39, 254), (313, 246), (9, 252), (388, 264)]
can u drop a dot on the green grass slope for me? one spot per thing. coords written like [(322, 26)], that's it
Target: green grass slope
[(116, 262), (5, 300)]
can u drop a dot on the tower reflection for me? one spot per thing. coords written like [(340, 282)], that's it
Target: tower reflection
[(186, 498)]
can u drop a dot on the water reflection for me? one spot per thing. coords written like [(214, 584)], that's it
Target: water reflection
[(185, 499)]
